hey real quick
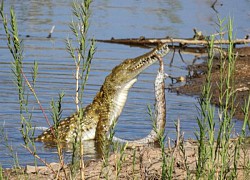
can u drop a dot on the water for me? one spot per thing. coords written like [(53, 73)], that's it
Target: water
[(119, 19)]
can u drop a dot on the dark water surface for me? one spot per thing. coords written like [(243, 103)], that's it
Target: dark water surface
[(110, 18)]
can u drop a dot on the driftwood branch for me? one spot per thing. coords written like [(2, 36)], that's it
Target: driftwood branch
[(193, 46), (174, 41)]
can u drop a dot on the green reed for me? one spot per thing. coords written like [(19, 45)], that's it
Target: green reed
[(56, 114), (15, 47), (1, 172), (167, 162), (120, 150), (206, 120), (107, 146), (227, 105), (82, 53), (215, 152), (11, 152)]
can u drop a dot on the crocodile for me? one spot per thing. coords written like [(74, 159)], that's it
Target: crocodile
[(106, 107)]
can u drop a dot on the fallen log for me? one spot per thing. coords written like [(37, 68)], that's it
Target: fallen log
[(196, 47)]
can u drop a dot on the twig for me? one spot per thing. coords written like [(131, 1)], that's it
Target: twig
[(82, 167), (214, 3), (34, 93), (77, 77), (169, 144), (213, 6), (178, 133), (177, 143), (172, 59), (181, 57), (51, 31), (39, 158)]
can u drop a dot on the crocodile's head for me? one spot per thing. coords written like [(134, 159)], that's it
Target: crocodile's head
[(126, 73)]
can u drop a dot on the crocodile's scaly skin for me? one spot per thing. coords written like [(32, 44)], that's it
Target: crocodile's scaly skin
[(108, 104)]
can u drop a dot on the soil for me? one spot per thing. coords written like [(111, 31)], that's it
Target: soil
[(137, 163), (146, 162)]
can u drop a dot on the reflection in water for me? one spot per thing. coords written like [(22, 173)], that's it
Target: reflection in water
[(166, 12), (91, 148), (34, 11), (170, 10)]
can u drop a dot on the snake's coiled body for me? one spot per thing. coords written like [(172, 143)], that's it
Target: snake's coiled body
[(160, 111)]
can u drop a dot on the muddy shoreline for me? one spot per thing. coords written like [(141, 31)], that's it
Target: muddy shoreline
[(139, 163), (194, 84)]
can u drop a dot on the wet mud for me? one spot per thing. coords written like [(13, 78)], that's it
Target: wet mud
[(196, 81)]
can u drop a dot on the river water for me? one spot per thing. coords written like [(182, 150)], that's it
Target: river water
[(110, 18)]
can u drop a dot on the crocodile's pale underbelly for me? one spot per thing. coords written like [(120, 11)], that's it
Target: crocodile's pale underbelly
[(119, 101), (90, 134)]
